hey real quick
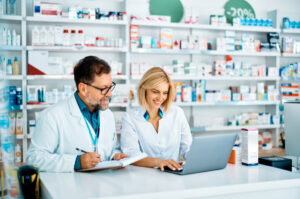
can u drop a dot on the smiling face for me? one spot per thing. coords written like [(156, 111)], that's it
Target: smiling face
[(155, 97)]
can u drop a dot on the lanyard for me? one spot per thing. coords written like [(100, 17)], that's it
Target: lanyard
[(94, 140)]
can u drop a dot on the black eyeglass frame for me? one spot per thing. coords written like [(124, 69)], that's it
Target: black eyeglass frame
[(112, 87)]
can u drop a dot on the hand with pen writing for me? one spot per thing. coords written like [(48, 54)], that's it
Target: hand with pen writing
[(89, 160)]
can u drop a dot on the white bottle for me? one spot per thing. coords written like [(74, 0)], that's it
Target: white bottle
[(14, 38), (9, 67), (66, 37), (4, 36), (58, 35), (35, 36), (18, 153), (43, 36), (8, 38), (50, 36), (1, 7)]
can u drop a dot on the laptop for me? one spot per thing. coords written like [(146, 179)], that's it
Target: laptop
[(207, 153)]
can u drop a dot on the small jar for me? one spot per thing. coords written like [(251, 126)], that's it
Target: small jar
[(100, 41), (73, 37)]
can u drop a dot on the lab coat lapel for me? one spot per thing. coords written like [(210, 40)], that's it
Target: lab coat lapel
[(75, 111)]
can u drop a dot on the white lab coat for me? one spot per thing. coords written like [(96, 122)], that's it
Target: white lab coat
[(60, 129), (172, 140)]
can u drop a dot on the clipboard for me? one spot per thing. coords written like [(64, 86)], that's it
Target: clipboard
[(115, 164)]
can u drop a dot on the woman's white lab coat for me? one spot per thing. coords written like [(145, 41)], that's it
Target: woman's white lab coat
[(61, 129)]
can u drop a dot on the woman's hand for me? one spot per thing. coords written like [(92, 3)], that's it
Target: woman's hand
[(172, 164)]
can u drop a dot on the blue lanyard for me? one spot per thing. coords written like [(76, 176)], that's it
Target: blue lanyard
[(94, 140)]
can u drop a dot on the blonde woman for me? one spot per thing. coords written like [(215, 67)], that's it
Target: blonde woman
[(157, 128)]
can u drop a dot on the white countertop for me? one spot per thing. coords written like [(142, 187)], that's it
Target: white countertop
[(138, 182)]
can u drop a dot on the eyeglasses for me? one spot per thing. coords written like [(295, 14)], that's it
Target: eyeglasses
[(103, 91)]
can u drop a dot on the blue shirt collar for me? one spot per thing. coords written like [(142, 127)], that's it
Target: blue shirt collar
[(146, 114), (81, 104)]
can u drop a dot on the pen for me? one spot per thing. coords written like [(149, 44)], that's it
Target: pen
[(83, 151)]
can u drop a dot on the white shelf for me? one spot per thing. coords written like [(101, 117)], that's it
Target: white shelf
[(77, 21), (216, 78), (13, 77), (49, 77), (208, 52), (233, 128), (290, 79), (164, 51), (205, 26), (66, 77), (38, 106), (291, 31), (77, 49), (290, 55), (239, 53), (118, 105), (44, 106), (10, 18), (230, 103), (11, 48)]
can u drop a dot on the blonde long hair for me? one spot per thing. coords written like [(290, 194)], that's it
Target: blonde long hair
[(152, 79)]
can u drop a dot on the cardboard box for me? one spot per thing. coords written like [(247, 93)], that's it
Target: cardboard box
[(250, 147)]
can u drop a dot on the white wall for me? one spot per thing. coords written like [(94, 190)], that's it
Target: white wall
[(203, 8)]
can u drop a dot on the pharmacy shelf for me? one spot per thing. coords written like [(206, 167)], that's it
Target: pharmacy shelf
[(215, 78), (238, 128), (290, 55), (230, 103), (11, 48), (239, 53), (205, 27), (290, 79), (10, 18), (66, 77), (208, 52), (164, 51), (13, 77), (291, 31), (44, 106), (77, 49), (76, 21)]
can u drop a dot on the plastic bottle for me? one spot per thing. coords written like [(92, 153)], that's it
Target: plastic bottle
[(80, 38), (19, 96), (11, 7), (18, 153), (43, 36), (66, 37), (16, 66), (1, 7), (9, 68), (50, 36), (4, 36), (73, 37), (8, 41), (14, 38), (35, 36)]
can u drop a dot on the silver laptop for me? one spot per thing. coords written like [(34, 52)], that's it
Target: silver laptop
[(207, 153)]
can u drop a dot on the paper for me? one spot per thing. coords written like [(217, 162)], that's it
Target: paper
[(116, 163)]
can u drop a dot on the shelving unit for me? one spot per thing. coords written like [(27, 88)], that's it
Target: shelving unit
[(129, 54), (209, 52), (205, 27)]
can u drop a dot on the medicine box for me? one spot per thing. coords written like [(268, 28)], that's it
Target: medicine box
[(249, 147)]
